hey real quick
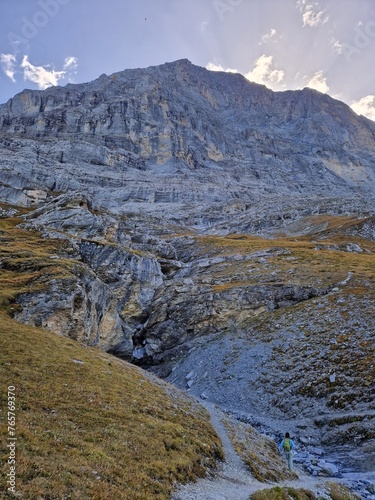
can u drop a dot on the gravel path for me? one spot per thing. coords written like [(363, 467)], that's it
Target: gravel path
[(232, 480)]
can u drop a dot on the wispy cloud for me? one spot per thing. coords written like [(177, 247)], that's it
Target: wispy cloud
[(365, 106), (8, 64), (211, 66), (312, 14), (70, 67), (337, 46), (268, 36), (264, 72), (40, 75), (70, 63), (318, 82), (43, 76)]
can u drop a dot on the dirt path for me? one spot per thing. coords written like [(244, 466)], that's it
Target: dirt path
[(232, 480)]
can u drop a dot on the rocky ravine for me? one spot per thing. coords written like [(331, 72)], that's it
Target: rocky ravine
[(219, 234)]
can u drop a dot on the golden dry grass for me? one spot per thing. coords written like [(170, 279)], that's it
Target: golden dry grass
[(299, 260), (28, 262), (80, 410), (340, 492), (296, 261)]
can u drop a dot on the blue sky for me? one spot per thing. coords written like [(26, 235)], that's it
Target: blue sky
[(328, 45)]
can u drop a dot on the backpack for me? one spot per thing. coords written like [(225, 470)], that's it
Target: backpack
[(287, 446)]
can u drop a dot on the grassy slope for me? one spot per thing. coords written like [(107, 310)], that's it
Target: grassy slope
[(299, 262), (88, 425), (100, 414), (27, 262)]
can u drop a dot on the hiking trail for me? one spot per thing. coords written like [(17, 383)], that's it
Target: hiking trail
[(232, 480)]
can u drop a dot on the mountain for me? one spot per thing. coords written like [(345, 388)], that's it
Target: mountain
[(179, 135), (210, 230)]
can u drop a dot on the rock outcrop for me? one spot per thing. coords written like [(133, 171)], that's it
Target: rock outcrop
[(111, 287)]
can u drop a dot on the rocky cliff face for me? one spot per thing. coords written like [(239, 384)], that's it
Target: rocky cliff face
[(207, 223), (179, 135)]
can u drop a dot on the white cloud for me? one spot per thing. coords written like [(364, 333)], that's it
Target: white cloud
[(318, 82), (337, 46), (218, 67), (8, 64), (45, 77), (311, 14), (40, 75), (268, 36), (365, 106), (71, 63), (264, 73), (70, 67)]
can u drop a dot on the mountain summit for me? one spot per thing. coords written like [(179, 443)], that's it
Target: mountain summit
[(200, 137)]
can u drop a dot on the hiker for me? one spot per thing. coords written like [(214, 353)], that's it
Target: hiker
[(288, 446)]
